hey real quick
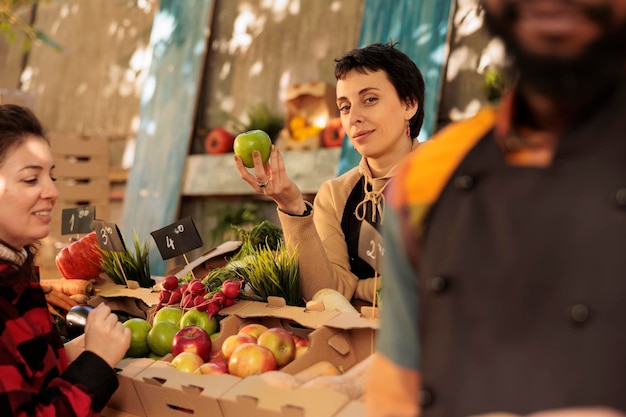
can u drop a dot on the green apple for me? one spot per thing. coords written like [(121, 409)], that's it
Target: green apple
[(161, 336), (201, 319), (168, 313), (139, 329), (252, 140)]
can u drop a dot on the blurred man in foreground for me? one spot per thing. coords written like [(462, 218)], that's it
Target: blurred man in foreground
[(504, 276)]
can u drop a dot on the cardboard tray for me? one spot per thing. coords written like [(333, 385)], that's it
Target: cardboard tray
[(254, 397), (352, 409), (344, 339), (164, 391), (126, 399)]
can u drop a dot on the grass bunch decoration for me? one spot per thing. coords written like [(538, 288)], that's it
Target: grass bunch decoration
[(132, 265), (265, 235), (272, 272)]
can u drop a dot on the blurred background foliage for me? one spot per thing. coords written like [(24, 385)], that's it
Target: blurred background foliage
[(17, 19)]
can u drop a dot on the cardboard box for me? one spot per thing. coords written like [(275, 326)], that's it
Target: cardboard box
[(111, 412), (164, 391), (136, 301), (274, 313), (352, 409), (254, 397), (344, 339), (125, 398), (216, 257)]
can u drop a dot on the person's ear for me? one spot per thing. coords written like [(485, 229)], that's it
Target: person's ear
[(410, 108)]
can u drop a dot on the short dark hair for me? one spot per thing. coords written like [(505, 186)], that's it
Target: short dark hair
[(16, 123), (401, 71)]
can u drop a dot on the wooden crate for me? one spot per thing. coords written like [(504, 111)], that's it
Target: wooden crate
[(82, 168), (18, 97)]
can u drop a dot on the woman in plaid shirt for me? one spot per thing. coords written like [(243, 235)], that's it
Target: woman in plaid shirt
[(38, 375)]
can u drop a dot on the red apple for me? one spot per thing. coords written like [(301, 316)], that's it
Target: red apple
[(233, 341), (250, 359), (280, 342), (217, 357), (302, 345), (187, 362), (301, 350), (210, 368), (253, 329), (219, 140), (300, 341), (192, 339)]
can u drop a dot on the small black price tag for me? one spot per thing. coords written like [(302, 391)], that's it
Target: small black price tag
[(77, 220), (177, 239), (109, 236)]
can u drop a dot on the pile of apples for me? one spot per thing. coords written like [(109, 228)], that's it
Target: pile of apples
[(171, 330), (196, 295), (255, 349)]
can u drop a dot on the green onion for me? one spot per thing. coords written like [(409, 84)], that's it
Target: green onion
[(132, 265), (273, 273)]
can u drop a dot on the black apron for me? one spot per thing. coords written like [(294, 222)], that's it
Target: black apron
[(523, 279)]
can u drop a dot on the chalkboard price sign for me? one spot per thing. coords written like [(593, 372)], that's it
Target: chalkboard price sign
[(177, 239), (109, 236), (77, 220)]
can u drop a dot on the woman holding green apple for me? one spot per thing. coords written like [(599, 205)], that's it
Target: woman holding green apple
[(338, 239), (39, 376)]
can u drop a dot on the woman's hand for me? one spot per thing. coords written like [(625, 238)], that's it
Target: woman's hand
[(271, 179), (75, 347), (105, 335)]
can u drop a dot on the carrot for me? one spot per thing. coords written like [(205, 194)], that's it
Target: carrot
[(69, 286), (60, 300), (80, 298), (54, 312)]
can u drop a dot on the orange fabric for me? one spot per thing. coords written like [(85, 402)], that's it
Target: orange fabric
[(391, 391), (439, 158)]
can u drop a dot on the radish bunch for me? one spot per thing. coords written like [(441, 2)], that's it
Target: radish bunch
[(197, 294)]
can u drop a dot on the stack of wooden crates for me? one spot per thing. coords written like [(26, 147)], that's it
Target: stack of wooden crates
[(82, 172)]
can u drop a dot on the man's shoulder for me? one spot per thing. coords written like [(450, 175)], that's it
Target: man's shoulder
[(460, 134), (423, 174)]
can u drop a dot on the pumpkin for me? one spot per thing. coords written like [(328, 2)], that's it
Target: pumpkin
[(80, 259)]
